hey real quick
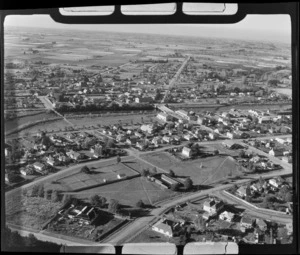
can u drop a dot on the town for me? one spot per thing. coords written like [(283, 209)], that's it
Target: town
[(147, 142)]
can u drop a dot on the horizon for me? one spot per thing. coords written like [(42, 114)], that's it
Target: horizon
[(249, 29)]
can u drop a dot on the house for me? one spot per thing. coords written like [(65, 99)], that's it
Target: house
[(227, 216), (231, 135), (147, 128), (84, 214), (52, 161), (182, 113), (261, 224), (164, 116), (213, 206), (163, 227), (206, 215), (121, 138), (188, 137), (276, 152), (131, 140), (142, 145), (287, 159), (27, 171), (186, 152), (212, 136), (156, 141), (143, 100), (246, 222), (274, 183), (38, 166), (160, 183), (241, 191), (75, 155), (289, 227), (121, 176), (167, 139)]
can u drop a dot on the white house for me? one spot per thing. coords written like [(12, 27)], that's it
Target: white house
[(38, 166), (187, 152), (213, 206), (274, 183), (164, 116), (163, 228), (227, 216)]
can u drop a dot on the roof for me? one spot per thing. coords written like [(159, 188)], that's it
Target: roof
[(163, 226), (247, 220)]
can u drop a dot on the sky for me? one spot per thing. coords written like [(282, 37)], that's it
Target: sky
[(271, 28)]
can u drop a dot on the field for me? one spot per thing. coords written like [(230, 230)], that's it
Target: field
[(129, 192), (86, 121), (109, 172), (150, 236), (213, 169), (31, 212)]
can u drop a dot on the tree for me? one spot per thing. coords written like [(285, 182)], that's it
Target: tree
[(171, 173), (48, 194), (261, 180), (175, 187), (41, 190), (140, 204), (98, 201), (118, 159), (55, 196), (66, 199), (188, 183), (35, 191), (154, 170), (113, 206), (288, 197), (85, 170), (242, 154), (145, 172), (248, 190), (216, 152), (110, 143)]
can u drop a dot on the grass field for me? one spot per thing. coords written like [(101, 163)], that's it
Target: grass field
[(213, 168), (150, 236), (129, 192), (87, 121), (109, 172), (31, 212)]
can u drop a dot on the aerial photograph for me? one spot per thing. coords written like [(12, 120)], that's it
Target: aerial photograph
[(147, 133)]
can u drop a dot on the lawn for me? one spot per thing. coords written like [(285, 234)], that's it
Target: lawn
[(129, 192), (214, 169), (31, 212), (150, 236), (99, 173)]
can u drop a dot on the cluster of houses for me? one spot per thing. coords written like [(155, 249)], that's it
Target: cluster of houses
[(277, 147), (83, 214), (271, 186), (215, 209)]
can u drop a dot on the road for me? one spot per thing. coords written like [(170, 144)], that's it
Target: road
[(142, 223), (174, 79), (276, 216)]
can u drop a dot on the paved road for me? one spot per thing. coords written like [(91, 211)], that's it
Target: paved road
[(174, 79), (140, 224), (275, 216)]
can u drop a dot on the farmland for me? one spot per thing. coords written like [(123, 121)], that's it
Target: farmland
[(213, 169)]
